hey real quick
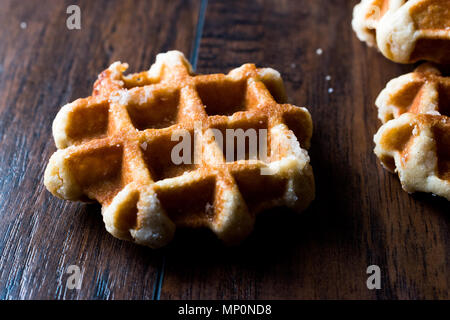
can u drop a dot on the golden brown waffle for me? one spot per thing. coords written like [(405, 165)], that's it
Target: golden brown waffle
[(405, 31), (115, 147), (415, 138)]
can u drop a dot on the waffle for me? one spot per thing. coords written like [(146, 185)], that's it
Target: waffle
[(414, 140), (115, 147), (405, 31)]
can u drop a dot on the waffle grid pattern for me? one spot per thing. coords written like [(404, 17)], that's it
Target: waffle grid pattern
[(116, 147), (405, 31), (415, 138)]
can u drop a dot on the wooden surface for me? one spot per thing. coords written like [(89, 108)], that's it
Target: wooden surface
[(360, 216)]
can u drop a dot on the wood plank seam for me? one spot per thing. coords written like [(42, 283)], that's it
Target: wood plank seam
[(193, 60)]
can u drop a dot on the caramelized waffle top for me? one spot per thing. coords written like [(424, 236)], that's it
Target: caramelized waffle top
[(415, 138), (405, 31), (117, 147)]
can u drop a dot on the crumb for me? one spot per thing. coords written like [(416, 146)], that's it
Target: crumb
[(293, 65), (319, 51), (330, 90), (209, 208), (144, 145), (23, 25), (328, 78)]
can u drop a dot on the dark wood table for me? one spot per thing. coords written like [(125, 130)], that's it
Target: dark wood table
[(360, 216)]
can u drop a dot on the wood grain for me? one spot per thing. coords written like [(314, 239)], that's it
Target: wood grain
[(361, 216), (42, 67)]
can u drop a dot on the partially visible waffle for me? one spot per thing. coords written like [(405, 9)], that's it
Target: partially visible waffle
[(405, 31), (414, 140), (116, 147)]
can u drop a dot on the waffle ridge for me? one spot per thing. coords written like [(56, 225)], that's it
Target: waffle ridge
[(414, 140), (115, 147), (405, 31)]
